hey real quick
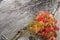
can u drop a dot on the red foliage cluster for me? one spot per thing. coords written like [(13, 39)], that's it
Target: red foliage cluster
[(45, 25)]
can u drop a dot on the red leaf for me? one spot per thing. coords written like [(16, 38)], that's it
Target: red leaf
[(55, 34), (48, 30), (56, 28), (41, 18), (47, 12), (55, 21)]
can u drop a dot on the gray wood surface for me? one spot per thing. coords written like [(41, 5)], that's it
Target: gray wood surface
[(57, 16)]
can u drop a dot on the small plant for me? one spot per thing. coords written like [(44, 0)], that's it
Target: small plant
[(44, 25)]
